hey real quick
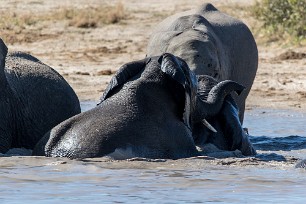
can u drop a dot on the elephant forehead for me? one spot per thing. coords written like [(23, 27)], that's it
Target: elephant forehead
[(186, 22), (192, 41)]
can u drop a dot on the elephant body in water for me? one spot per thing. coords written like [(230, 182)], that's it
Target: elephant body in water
[(212, 43), (33, 99), (146, 111)]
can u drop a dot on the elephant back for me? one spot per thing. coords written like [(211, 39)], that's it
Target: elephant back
[(43, 96)]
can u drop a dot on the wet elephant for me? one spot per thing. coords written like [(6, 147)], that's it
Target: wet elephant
[(33, 99), (146, 111)]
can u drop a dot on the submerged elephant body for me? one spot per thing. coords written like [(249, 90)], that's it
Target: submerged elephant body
[(212, 43), (33, 99), (146, 111)]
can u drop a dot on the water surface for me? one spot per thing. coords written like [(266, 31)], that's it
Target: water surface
[(278, 135)]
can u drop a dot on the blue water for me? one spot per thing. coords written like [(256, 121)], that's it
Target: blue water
[(270, 177), (275, 123), (154, 185)]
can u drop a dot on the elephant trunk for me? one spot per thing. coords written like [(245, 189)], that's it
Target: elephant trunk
[(215, 99)]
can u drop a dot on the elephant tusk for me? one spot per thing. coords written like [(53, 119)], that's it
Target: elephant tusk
[(209, 126)]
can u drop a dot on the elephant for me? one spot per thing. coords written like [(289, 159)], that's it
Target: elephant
[(229, 134), (33, 99), (301, 164), (146, 111), (212, 43)]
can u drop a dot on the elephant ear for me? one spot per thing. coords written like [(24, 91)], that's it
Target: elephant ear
[(125, 73), (170, 65), (178, 70)]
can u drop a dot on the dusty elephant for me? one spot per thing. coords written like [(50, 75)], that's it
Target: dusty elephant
[(212, 43), (146, 111), (229, 134), (33, 99)]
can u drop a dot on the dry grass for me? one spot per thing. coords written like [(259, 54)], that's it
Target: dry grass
[(14, 21), (93, 17), (116, 15), (26, 27), (18, 28)]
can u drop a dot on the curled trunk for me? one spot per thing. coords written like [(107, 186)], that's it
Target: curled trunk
[(215, 98)]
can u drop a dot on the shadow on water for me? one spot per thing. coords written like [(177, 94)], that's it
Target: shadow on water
[(271, 157), (280, 149), (278, 135), (289, 143), (278, 143)]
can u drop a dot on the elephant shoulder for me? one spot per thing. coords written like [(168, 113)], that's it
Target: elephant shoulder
[(22, 55), (28, 69), (24, 64), (29, 77)]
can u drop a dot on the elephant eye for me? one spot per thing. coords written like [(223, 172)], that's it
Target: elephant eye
[(204, 34)]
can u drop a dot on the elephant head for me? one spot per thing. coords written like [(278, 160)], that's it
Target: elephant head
[(33, 99), (228, 134), (146, 111)]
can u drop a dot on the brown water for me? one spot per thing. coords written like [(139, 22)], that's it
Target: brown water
[(279, 136)]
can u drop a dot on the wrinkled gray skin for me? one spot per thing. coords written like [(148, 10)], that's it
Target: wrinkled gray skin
[(145, 112), (212, 43), (33, 99), (230, 134)]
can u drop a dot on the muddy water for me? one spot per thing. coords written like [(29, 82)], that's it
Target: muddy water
[(278, 135)]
